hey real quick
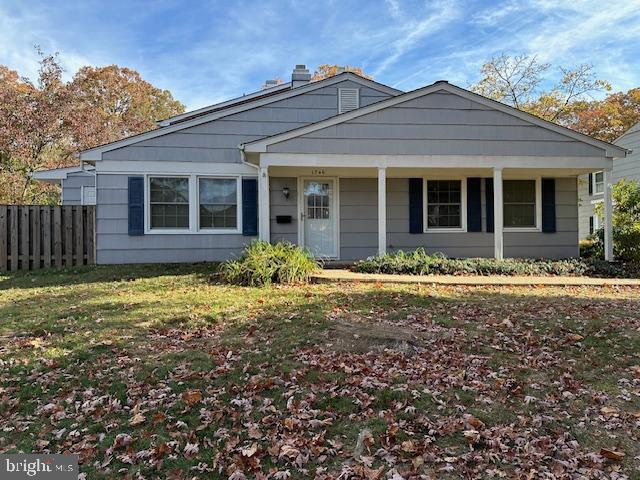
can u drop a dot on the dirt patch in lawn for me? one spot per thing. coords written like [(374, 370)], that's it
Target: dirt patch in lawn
[(349, 335)]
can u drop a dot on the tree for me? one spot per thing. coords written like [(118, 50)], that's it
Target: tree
[(517, 81), (44, 123), (609, 118), (114, 102), (326, 71), (33, 133)]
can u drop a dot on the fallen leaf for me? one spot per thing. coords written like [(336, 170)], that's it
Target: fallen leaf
[(191, 397), (137, 419), (612, 454)]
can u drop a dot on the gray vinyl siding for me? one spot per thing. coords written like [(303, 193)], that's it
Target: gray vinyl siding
[(359, 224), (439, 123), (114, 245), (561, 244), (627, 168), (358, 218), (283, 232), (72, 187), (218, 140), (455, 244)]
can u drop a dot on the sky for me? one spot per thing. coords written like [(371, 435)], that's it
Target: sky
[(209, 51)]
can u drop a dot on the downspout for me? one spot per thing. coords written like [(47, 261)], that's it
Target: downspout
[(243, 155)]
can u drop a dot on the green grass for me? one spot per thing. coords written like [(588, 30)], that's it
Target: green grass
[(311, 367)]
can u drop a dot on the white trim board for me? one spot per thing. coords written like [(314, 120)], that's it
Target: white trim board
[(95, 154), (430, 161), (132, 166), (260, 146)]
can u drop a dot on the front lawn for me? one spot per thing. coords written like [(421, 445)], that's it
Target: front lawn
[(156, 372)]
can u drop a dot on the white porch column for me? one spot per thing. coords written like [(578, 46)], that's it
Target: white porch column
[(382, 211), (263, 204), (498, 215), (608, 213)]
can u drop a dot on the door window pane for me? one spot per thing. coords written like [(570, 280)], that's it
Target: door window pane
[(317, 200), (519, 203), (218, 200), (169, 202), (444, 203)]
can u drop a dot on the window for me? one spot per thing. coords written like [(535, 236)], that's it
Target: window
[(445, 204), (218, 201), (88, 195), (520, 203), (318, 195), (169, 202), (348, 99), (598, 183)]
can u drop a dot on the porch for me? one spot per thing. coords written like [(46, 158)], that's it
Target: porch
[(370, 207)]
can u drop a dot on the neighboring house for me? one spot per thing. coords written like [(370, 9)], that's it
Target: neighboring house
[(591, 186), (77, 184), (348, 168)]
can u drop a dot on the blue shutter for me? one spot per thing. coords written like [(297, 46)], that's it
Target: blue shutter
[(136, 206), (250, 207), (548, 205), (474, 205), (415, 206), (488, 193)]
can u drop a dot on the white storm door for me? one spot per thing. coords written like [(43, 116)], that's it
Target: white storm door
[(319, 217)]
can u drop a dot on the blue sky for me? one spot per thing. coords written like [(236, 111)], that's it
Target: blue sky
[(205, 52)]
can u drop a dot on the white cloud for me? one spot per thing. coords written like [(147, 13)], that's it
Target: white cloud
[(438, 15)]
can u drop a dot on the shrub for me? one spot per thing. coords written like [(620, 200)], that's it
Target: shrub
[(418, 262), (264, 263), (626, 223)]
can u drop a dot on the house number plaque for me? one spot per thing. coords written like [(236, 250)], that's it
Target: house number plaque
[(317, 171)]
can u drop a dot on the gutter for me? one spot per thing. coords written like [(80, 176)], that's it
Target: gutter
[(243, 155)]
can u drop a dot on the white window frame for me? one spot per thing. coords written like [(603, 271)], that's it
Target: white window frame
[(194, 206), (340, 90), (214, 230), (594, 190), (538, 225), (83, 195), (147, 206), (463, 206)]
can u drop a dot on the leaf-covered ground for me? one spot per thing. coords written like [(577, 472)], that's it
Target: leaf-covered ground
[(157, 372)]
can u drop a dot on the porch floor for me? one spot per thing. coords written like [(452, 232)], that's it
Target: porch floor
[(340, 275)]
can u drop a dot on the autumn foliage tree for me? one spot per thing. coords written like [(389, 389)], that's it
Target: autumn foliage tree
[(520, 81), (46, 121), (326, 71)]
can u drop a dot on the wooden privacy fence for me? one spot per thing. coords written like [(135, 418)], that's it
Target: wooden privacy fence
[(40, 236)]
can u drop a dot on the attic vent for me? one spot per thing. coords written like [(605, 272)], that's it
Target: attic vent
[(348, 99)]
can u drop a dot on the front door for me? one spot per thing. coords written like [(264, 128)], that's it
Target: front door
[(319, 217)]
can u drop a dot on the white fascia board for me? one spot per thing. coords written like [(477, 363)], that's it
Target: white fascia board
[(432, 161), (166, 168), (261, 145), (58, 173), (168, 121), (95, 154)]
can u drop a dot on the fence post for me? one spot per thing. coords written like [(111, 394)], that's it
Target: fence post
[(24, 232), (46, 236), (3, 238)]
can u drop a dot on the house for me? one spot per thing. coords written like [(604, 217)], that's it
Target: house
[(77, 184), (348, 168), (591, 186)]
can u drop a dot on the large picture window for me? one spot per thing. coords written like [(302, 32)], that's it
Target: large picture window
[(218, 203), (169, 202), (520, 203), (444, 204)]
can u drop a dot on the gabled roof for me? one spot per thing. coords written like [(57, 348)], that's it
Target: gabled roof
[(611, 150), (633, 129), (226, 104), (57, 174), (95, 153)]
